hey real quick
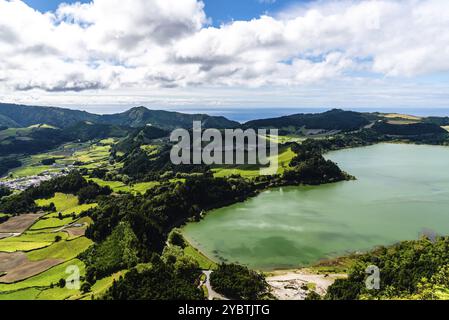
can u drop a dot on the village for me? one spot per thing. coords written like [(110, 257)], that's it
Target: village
[(23, 183)]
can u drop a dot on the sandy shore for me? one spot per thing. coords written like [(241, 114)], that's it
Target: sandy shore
[(296, 284)]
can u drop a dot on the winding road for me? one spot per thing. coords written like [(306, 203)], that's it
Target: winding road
[(212, 294)]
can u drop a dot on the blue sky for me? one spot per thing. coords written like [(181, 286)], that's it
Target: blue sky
[(219, 10), (164, 53)]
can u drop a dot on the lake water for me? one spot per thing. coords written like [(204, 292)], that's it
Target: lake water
[(402, 192)]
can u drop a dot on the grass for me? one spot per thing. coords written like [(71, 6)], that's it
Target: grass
[(31, 170), (86, 220), (284, 158), (402, 116), (48, 223), (143, 186), (32, 164), (25, 294), (77, 210), (30, 241), (14, 132), (65, 250), (204, 262), (118, 186), (223, 172), (14, 246), (95, 153), (56, 293), (205, 290), (337, 265), (44, 279), (286, 139), (61, 201), (101, 286), (108, 141), (150, 150)]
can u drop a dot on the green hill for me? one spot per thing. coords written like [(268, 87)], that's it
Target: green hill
[(141, 116), (331, 120), (12, 115), (412, 129)]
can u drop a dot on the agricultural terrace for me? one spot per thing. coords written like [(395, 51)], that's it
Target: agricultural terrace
[(35, 254)]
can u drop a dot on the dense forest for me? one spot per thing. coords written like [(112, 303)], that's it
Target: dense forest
[(331, 120), (409, 270), (238, 282)]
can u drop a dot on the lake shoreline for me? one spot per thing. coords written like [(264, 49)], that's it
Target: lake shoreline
[(367, 247)]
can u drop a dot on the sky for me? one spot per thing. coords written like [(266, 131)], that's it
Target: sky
[(220, 11), (110, 55)]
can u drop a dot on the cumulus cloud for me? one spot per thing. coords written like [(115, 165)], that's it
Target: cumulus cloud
[(113, 44)]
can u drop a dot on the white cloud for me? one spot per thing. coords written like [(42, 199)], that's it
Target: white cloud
[(147, 44)]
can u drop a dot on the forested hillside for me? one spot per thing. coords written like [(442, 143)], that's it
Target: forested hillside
[(409, 270), (23, 116), (330, 120)]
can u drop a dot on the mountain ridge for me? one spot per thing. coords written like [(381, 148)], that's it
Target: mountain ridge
[(15, 115)]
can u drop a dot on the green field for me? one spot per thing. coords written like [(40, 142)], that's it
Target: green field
[(48, 223), (65, 250), (61, 201), (204, 262), (118, 186), (252, 171), (77, 210), (93, 155), (35, 237), (44, 279), (32, 170), (14, 246), (100, 287)]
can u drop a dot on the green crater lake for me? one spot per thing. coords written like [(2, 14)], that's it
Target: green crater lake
[(401, 192)]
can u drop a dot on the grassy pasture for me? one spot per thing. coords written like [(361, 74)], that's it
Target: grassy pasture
[(284, 158), (77, 210), (35, 237), (118, 186), (94, 156), (32, 164), (14, 246), (61, 201), (24, 294), (44, 292), (204, 262), (402, 116), (65, 250), (56, 293), (31, 170), (49, 223), (100, 287), (44, 279)]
